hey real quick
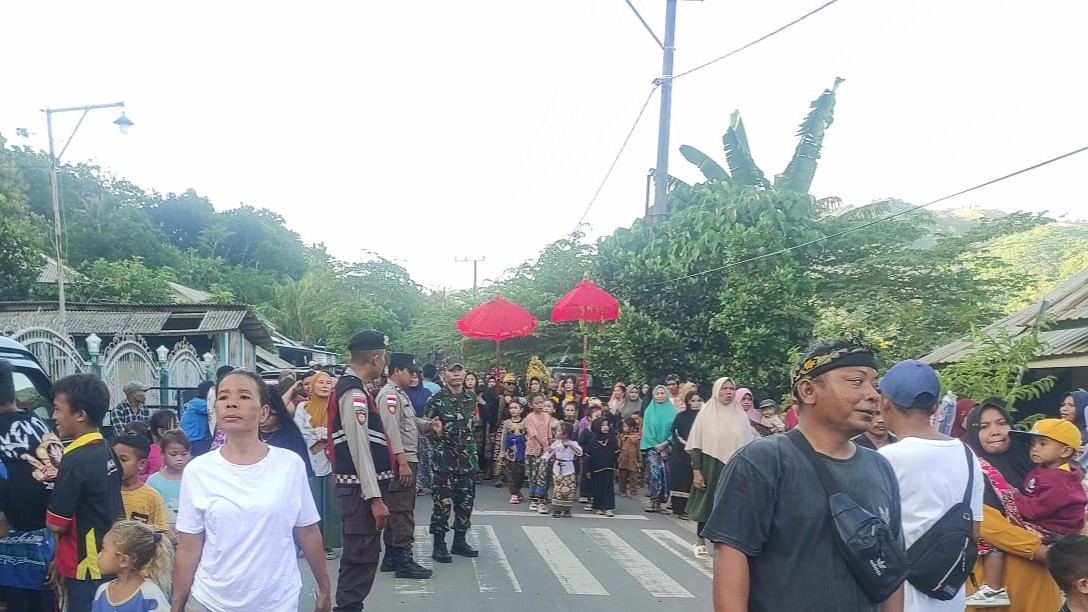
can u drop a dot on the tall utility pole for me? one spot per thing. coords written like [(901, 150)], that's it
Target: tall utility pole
[(475, 268), (660, 208)]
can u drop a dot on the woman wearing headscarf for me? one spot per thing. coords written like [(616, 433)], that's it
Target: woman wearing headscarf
[(418, 396), (747, 402), (721, 429), (679, 460), (1005, 463), (1072, 409), (632, 403), (657, 422)]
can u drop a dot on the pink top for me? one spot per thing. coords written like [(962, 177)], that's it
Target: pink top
[(537, 428), (154, 462)]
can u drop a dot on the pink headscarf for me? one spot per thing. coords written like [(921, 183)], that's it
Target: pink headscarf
[(754, 415)]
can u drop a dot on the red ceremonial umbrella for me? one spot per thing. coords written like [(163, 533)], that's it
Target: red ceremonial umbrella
[(497, 319), (587, 303)]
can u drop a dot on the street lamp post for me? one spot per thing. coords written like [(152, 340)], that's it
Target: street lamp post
[(209, 363), (94, 345), (164, 375), (123, 123)]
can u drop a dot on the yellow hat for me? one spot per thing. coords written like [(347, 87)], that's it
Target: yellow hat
[(1058, 430), (509, 378)]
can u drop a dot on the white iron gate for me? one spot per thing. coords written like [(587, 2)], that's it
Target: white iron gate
[(56, 351), (127, 359), (185, 369)]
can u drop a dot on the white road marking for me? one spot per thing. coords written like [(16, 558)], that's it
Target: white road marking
[(641, 569), (527, 514), (483, 538), (681, 548), (572, 575), (421, 551)]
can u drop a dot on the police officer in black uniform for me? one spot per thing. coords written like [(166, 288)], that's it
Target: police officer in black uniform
[(360, 458)]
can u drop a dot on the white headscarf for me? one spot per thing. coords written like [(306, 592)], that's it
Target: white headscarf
[(720, 430)]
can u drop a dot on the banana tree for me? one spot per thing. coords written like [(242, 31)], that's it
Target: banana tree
[(742, 168)]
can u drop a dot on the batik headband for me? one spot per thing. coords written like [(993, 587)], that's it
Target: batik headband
[(841, 357)]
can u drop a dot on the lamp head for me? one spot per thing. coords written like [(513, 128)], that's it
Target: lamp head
[(123, 123)]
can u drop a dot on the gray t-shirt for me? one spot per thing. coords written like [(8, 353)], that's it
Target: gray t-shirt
[(769, 504)]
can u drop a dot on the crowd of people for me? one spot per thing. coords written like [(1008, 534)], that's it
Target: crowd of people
[(151, 518)]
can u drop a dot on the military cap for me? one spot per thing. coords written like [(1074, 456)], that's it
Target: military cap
[(454, 365), (368, 340)]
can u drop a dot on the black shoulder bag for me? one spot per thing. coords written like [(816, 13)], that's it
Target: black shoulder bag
[(875, 557), (943, 558)]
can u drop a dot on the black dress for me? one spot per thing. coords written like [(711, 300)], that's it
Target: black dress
[(601, 456), (680, 475)]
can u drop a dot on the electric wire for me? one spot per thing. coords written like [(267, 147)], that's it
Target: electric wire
[(875, 221), (616, 159), (756, 41)]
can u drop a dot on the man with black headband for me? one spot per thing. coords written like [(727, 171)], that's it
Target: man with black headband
[(775, 548)]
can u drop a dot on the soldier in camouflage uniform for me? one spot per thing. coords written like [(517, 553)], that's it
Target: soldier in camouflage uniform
[(455, 464)]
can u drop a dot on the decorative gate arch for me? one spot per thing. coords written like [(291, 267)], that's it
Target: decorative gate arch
[(56, 351), (185, 368), (126, 359)]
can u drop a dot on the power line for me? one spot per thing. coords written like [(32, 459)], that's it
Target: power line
[(616, 159), (758, 40), (876, 221)]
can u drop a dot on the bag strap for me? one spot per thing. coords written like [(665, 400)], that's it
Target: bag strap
[(831, 486), (970, 475)]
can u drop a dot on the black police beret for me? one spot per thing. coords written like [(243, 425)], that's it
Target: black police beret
[(368, 340)]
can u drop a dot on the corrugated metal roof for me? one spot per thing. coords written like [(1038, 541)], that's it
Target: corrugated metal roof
[(82, 322), (222, 320), (1067, 303)]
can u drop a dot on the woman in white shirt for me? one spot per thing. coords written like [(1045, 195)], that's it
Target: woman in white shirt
[(242, 506)]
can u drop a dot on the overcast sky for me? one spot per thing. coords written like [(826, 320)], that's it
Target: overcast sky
[(427, 130)]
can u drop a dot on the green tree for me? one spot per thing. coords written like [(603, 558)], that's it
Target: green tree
[(121, 281), (798, 175)]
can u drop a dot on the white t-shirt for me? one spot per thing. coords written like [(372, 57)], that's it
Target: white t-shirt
[(932, 477), (247, 514)]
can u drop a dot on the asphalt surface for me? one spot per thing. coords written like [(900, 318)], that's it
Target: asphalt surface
[(535, 563)]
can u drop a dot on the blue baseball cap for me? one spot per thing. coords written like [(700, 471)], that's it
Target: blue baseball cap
[(911, 384)]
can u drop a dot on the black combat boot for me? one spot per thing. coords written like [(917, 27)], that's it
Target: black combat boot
[(461, 547), (392, 559), (408, 567), (441, 553)]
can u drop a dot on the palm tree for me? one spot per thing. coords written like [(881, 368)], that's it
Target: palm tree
[(797, 176)]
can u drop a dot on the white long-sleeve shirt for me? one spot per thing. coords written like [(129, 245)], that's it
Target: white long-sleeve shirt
[(564, 457)]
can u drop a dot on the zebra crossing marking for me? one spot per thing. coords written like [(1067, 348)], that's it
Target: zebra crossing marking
[(527, 514), (574, 577), (421, 551), (671, 541), (633, 562), (486, 540)]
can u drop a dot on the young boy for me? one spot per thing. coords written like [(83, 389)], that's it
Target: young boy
[(1067, 561), (86, 498), (513, 448), (176, 452), (1051, 501), (142, 502)]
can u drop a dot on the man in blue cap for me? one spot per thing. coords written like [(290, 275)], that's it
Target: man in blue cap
[(933, 470)]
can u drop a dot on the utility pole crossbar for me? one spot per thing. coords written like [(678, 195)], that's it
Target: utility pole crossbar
[(475, 268)]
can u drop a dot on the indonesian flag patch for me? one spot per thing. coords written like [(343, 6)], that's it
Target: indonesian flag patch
[(391, 403), (358, 403)]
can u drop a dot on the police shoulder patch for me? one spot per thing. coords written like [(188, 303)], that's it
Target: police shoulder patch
[(391, 403), (359, 404)]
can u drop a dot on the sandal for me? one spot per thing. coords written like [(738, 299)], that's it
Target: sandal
[(700, 552)]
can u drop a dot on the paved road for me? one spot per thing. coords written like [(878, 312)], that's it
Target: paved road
[(534, 563)]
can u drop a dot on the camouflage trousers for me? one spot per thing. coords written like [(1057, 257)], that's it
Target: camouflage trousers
[(456, 492)]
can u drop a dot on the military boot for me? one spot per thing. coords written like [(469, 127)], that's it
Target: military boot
[(392, 559), (408, 567), (461, 547), (441, 553)]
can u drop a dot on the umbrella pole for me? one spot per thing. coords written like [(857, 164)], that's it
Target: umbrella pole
[(585, 357), (498, 343)]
